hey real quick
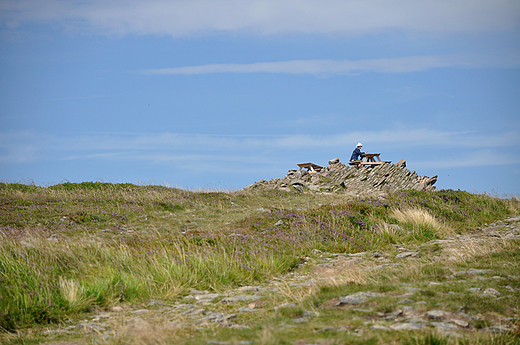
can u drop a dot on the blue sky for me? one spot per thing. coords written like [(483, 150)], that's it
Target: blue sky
[(218, 94)]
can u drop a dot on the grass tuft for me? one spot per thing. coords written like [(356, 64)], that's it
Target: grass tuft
[(420, 223)]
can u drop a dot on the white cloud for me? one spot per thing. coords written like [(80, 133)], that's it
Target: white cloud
[(327, 67), (188, 17)]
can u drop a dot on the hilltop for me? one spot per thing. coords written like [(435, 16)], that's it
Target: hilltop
[(363, 180)]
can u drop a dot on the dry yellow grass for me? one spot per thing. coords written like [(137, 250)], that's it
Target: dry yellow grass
[(415, 216), (290, 294), (74, 293), (418, 217), (469, 249)]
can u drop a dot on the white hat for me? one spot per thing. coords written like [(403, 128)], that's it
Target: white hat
[(359, 144)]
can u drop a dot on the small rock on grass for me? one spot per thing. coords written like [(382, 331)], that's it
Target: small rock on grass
[(497, 329), (475, 290), (379, 328), (491, 291), (460, 323), (241, 298), (407, 326), (444, 326), (285, 305), (436, 314), (352, 300), (406, 254)]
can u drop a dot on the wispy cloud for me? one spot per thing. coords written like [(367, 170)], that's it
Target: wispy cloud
[(264, 17), (328, 67), (192, 149), (471, 159)]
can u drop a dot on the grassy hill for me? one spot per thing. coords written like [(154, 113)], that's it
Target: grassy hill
[(71, 252)]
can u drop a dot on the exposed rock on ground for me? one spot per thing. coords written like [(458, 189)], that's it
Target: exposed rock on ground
[(338, 177), (202, 309)]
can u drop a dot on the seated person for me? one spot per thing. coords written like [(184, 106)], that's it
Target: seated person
[(357, 153)]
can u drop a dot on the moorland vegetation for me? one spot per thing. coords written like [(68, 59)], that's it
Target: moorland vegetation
[(73, 249)]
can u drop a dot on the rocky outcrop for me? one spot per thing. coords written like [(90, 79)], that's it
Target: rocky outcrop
[(338, 177)]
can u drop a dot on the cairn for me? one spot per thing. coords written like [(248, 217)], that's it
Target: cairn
[(338, 177)]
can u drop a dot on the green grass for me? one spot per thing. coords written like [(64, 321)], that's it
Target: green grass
[(71, 248)]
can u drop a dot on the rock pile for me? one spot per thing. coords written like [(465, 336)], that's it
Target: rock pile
[(338, 177)]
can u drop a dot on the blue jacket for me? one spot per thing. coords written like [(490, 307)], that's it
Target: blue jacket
[(357, 152)]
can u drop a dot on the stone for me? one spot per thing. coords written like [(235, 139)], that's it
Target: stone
[(395, 314), (497, 329), (401, 163), (363, 310), (491, 291), (324, 329), (406, 300), (206, 297), (299, 188), (395, 227), (512, 237), (217, 317), (468, 317), (193, 312), (240, 298), (460, 323), (239, 327), (352, 300), (478, 271), (297, 183), (249, 288), (357, 254), (247, 309), (89, 326), (430, 181), (436, 314), (406, 254), (407, 326), (351, 180), (242, 342), (285, 305), (473, 290), (140, 311), (379, 328), (357, 298), (444, 326), (309, 313)]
